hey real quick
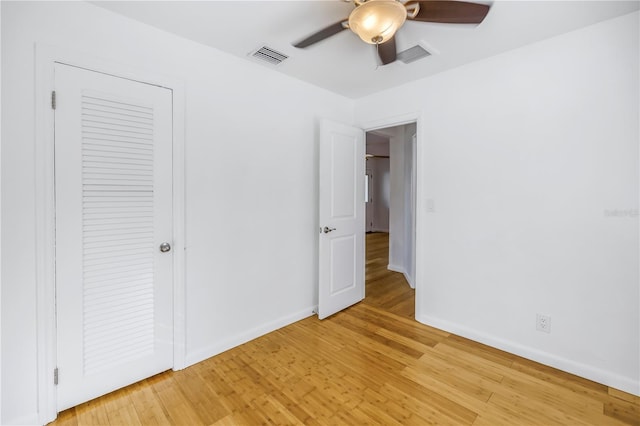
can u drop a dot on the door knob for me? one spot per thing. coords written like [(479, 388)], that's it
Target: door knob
[(165, 247), (326, 229)]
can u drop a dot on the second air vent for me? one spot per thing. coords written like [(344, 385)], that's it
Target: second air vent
[(412, 54), (270, 55)]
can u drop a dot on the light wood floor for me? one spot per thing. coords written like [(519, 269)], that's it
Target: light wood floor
[(370, 364)]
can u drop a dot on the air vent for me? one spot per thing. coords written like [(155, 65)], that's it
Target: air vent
[(270, 55), (412, 54)]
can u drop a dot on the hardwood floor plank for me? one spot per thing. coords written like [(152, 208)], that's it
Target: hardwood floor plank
[(377, 415), (431, 407), (178, 408), (553, 375), (148, 407), (407, 342), (229, 420), (352, 417), (532, 412), (624, 411), (120, 409), (201, 396), (409, 323), (465, 381), (417, 333), (392, 347), (479, 349), (469, 362), (445, 389), (273, 411), (67, 418), (92, 413), (542, 394), (623, 395), (124, 416), (392, 408)]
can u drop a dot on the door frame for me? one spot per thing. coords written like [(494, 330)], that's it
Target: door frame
[(417, 117), (45, 58)]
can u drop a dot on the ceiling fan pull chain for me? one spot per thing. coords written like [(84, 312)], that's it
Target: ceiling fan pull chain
[(377, 56)]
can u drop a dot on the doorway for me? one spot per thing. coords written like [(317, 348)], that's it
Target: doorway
[(391, 212)]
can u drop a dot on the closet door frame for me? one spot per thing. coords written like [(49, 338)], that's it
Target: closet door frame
[(45, 59)]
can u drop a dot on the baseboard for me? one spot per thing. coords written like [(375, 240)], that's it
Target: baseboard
[(586, 371), (400, 269), (395, 268), (219, 347), (409, 279), (386, 231)]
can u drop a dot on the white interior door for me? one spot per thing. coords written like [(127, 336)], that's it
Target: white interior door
[(113, 174), (342, 216)]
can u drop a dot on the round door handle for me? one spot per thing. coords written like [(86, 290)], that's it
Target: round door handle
[(326, 229), (165, 247)]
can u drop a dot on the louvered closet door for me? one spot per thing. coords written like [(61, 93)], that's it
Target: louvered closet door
[(113, 210)]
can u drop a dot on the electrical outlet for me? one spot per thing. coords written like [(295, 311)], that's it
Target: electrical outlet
[(543, 323)]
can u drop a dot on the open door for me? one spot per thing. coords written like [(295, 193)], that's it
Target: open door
[(342, 217)]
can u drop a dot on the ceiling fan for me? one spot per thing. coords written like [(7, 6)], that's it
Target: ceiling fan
[(376, 21)]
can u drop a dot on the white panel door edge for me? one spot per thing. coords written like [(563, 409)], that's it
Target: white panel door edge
[(342, 217)]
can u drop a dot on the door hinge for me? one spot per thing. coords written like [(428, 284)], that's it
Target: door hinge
[(55, 376), (53, 99)]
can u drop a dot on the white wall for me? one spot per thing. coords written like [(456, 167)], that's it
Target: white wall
[(246, 273), (397, 207), (531, 158), (408, 259)]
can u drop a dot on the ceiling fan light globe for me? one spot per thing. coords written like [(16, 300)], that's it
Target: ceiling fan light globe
[(376, 21)]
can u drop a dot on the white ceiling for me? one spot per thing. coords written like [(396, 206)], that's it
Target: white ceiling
[(343, 63)]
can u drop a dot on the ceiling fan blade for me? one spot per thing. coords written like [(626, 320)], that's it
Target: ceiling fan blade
[(387, 51), (322, 34), (449, 12)]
